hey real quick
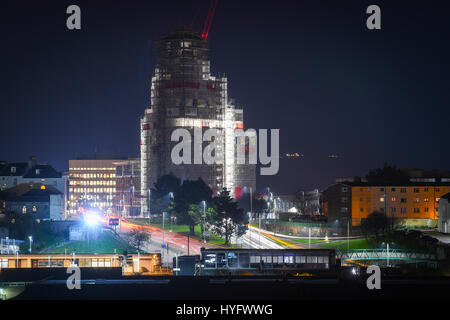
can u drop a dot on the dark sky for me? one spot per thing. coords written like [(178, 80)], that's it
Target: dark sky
[(310, 68)]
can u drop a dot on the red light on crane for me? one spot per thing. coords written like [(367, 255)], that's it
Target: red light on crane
[(209, 18)]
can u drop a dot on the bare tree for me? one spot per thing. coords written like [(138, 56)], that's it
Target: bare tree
[(137, 237)]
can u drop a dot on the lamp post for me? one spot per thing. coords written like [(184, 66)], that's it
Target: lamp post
[(204, 220), (387, 247), (251, 202), (163, 227), (31, 240), (259, 226), (348, 234), (309, 238)]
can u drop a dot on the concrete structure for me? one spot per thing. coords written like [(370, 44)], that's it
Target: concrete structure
[(311, 202), (444, 214), (92, 180), (185, 95), (287, 203), (302, 202), (15, 173)]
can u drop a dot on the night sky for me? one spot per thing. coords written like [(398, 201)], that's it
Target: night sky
[(310, 68)]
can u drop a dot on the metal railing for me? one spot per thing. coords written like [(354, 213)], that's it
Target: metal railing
[(382, 254)]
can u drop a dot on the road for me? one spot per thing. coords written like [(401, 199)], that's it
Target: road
[(178, 244), (257, 239)]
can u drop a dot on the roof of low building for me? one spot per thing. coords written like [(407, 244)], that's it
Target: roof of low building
[(20, 169), (23, 169), (31, 190), (34, 195), (42, 171)]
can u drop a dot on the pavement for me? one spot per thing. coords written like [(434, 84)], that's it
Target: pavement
[(442, 237)]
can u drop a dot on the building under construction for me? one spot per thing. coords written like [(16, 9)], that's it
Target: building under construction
[(185, 95)]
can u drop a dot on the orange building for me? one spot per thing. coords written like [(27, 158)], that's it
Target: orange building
[(411, 201), (142, 263)]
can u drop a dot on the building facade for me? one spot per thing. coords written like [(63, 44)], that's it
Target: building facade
[(127, 200), (43, 202), (92, 181), (184, 95), (354, 201)]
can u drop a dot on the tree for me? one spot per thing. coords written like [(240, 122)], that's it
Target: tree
[(376, 223), (200, 215), (386, 175), (228, 219), (160, 201), (186, 203), (137, 237)]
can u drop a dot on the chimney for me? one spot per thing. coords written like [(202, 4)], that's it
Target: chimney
[(31, 162)]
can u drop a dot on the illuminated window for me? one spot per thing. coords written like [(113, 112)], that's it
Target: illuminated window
[(310, 259), (382, 199), (417, 200), (3, 263), (393, 199), (34, 209), (426, 199), (24, 209)]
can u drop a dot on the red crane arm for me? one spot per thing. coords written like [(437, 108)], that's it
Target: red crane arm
[(209, 18)]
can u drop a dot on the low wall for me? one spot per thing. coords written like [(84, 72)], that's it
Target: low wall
[(416, 223), (302, 229)]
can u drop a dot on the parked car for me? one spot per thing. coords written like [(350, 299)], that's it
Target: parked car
[(430, 239), (413, 234)]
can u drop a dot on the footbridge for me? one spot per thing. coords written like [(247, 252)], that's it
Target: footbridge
[(393, 255)]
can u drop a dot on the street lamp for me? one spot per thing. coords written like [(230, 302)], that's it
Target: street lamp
[(31, 240), (163, 227), (170, 194), (204, 220)]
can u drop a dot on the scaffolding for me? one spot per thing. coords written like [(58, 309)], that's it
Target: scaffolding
[(185, 95)]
